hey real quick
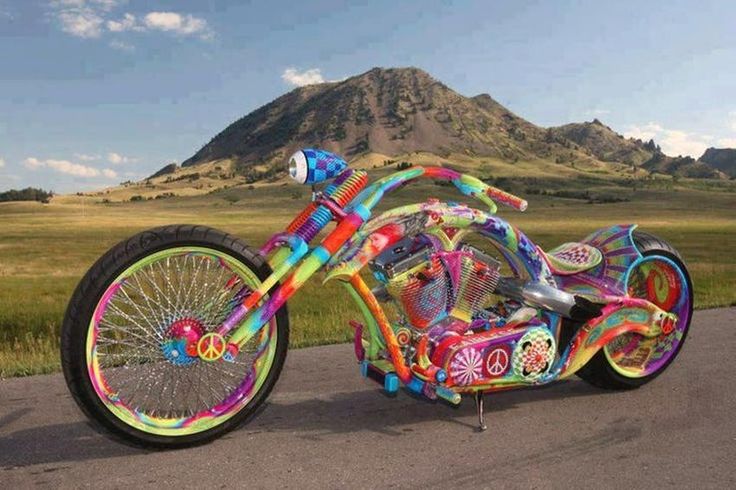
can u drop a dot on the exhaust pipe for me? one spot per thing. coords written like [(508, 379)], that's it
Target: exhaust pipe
[(549, 298)]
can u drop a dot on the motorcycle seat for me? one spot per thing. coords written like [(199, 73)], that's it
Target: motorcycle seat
[(573, 258)]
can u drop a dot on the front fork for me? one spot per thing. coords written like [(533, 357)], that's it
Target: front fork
[(245, 321)]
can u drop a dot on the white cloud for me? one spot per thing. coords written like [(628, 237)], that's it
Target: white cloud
[(82, 18), (82, 22), (727, 143), (597, 112), (184, 25), (32, 163), (121, 45), (644, 133), (90, 19), (299, 79), (68, 168), (86, 158), (127, 23), (2, 162), (674, 142), (117, 158)]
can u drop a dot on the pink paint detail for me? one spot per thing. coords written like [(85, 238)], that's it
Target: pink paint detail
[(235, 317), (441, 173), (358, 340), (102, 306)]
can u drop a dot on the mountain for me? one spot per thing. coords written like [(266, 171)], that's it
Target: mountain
[(682, 167), (397, 111), (724, 159), (388, 111), (604, 143)]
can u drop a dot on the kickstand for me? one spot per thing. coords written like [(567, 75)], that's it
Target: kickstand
[(479, 406)]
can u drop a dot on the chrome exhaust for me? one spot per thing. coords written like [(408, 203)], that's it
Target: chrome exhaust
[(548, 298)]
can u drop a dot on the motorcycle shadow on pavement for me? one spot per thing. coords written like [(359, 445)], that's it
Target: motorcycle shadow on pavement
[(313, 418), (54, 443), (370, 410)]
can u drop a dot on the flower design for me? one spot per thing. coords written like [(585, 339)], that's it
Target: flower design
[(467, 366), (534, 354)]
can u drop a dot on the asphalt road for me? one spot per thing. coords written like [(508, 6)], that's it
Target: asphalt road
[(326, 427)]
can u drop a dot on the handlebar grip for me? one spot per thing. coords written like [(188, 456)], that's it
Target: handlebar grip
[(506, 198)]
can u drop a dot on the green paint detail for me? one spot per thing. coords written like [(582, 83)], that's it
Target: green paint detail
[(168, 427), (376, 341)]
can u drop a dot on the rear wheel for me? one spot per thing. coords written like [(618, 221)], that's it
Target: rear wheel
[(631, 360), (130, 340)]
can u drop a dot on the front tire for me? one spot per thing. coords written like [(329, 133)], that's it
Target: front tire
[(659, 276), (128, 332)]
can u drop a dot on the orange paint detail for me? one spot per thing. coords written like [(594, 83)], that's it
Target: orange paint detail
[(252, 300), (301, 218), (397, 359), (342, 233)]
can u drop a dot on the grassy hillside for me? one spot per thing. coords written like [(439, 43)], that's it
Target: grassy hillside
[(44, 249)]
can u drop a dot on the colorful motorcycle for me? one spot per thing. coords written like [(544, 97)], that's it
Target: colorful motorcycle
[(178, 334)]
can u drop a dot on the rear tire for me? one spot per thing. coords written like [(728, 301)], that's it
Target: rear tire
[(83, 318), (600, 371)]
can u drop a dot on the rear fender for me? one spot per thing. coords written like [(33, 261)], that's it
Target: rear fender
[(617, 318), (608, 278)]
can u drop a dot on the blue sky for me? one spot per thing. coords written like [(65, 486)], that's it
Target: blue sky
[(94, 92)]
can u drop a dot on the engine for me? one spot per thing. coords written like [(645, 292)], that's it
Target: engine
[(431, 285), (451, 297)]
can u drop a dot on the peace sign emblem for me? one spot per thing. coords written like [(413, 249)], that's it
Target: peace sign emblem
[(211, 347), (497, 361)]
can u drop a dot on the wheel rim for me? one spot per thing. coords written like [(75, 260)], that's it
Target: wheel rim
[(136, 350), (663, 282)]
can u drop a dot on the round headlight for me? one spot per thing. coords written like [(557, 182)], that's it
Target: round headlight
[(298, 167)]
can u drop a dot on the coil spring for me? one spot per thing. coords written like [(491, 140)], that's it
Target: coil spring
[(318, 220), (302, 218), (350, 188), (315, 217)]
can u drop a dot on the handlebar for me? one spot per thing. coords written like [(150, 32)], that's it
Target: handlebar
[(466, 184), (506, 198)]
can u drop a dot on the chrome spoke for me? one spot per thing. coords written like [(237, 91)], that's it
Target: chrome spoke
[(135, 331)]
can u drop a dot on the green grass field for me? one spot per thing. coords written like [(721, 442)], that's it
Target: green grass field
[(45, 249)]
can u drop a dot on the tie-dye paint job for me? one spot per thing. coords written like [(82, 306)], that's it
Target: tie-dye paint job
[(573, 258), (363, 239), (646, 299), (198, 422)]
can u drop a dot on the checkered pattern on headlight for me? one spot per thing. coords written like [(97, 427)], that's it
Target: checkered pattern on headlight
[(322, 165)]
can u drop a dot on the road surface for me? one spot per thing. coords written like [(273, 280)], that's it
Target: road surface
[(326, 427)]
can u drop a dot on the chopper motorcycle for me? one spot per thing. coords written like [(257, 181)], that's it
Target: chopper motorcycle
[(178, 334)]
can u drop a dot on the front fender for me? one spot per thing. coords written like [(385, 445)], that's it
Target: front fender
[(384, 230)]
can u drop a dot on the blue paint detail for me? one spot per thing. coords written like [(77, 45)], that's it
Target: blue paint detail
[(362, 211), (415, 385), (321, 253), (441, 376), (391, 383), (447, 395), (174, 351), (364, 369), (380, 276), (322, 165), (647, 258)]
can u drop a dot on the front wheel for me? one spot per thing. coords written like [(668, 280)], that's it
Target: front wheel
[(129, 338), (631, 360)]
